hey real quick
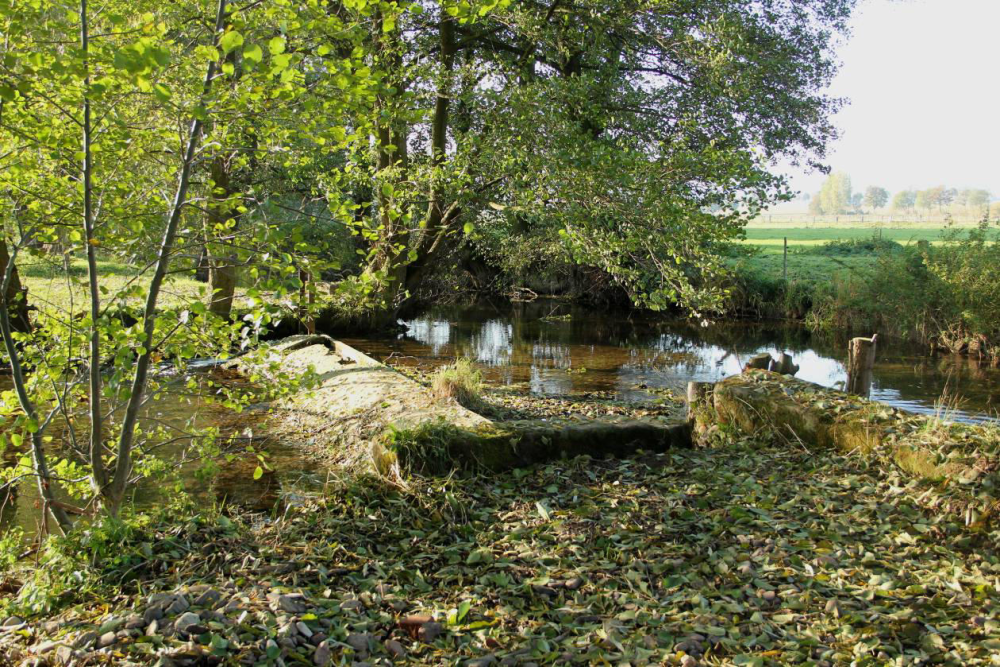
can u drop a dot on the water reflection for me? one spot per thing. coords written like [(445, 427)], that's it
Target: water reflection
[(561, 349)]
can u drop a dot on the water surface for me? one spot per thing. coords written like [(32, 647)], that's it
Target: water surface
[(554, 348)]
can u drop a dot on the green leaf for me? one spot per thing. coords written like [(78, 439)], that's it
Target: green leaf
[(468, 228), (258, 473), (276, 45), (230, 41)]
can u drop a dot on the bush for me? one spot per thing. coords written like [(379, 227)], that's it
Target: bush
[(947, 295), (461, 381)]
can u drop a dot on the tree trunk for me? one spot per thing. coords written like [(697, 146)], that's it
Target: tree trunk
[(861, 360), (16, 297), (222, 263)]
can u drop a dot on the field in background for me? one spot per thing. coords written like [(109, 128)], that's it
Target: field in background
[(808, 260)]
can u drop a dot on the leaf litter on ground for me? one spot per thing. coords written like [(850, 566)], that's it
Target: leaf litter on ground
[(748, 554)]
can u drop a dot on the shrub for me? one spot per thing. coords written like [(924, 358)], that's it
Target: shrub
[(461, 381)]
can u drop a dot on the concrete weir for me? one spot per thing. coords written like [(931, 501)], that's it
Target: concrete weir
[(359, 401)]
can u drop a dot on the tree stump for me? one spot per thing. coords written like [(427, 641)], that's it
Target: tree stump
[(860, 361), (785, 365), (761, 362)]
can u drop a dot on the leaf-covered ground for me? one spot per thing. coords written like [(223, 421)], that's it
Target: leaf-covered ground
[(745, 554)]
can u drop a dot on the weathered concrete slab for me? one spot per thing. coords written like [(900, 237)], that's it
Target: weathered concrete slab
[(357, 399)]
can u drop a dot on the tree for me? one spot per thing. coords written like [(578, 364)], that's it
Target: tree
[(608, 127), (107, 137), (931, 197), (876, 197), (835, 195), (857, 199), (904, 200), (976, 199)]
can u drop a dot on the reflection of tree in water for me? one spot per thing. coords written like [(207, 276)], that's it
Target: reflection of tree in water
[(536, 343)]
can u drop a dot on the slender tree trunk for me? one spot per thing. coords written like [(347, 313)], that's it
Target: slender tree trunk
[(222, 266), (16, 296), (115, 491), (96, 441)]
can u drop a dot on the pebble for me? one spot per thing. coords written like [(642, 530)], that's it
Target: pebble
[(46, 646), (574, 583), (152, 613), (304, 629), (178, 606), (11, 621), (485, 661), (323, 656), (134, 621), (769, 596), (64, 655), (359, 642), (430, 631), (190, 623), (356, 606), (293, 603), (689, 661), (85, 640), (210, 599), (396, 649), (152, 628), (317, 638), (107, 639)]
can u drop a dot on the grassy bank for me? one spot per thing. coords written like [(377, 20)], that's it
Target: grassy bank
[(937, 286)]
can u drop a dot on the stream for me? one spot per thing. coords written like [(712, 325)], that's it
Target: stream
[(554, 348), (550, 348)]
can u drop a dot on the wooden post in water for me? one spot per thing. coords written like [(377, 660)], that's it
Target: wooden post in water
[(784, 264), (860, 361)]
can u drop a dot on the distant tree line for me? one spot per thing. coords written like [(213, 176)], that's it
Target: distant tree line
[(837, 197)]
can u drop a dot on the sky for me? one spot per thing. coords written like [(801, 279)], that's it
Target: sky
[(923, 81)]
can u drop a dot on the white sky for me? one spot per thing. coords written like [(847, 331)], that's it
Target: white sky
[(923, 80)]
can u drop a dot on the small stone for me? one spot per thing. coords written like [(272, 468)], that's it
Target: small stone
[(51, 627), (574, 583), (134, 621), (293, 603), (396, 649), (769, 596), (832, 607), (399, 605), (359, 642), (745, 568), (85, 640), (64, 655), (152, 629), (430, 631), (304, 629), (689, 661), (317, 638), (356, 606), (485, 661), (107, 639), (178, 606), (11, 621), (188, 622), (210, 599), (45, 647), (323, 656), (547, 591), (152, 613)]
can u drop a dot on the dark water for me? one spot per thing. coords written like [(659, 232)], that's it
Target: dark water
[(555, 348), (291, 473)]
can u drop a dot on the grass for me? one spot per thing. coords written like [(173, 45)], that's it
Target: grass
[(461, 381), (53, 294)]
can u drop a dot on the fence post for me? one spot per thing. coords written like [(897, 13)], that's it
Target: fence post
[(784, 262)]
